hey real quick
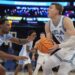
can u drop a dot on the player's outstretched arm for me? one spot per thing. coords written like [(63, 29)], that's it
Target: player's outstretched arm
[(4, 55), (20, 41)]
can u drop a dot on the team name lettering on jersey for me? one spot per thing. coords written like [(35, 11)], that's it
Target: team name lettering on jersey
[(58, 34)]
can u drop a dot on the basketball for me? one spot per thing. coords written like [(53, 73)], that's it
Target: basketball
[(44, 45)]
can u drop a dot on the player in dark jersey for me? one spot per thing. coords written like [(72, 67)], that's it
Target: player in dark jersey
[(5, 27)]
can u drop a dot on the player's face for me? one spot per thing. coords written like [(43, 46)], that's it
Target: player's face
[(52, 11), (33, 35), (6, 27), (42, 35)]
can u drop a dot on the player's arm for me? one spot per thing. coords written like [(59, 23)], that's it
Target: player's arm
[(47, 31), (4, 55), (36, 43), (69, 43), (35, 48), (70, 30), (20, 41), (69, 26)]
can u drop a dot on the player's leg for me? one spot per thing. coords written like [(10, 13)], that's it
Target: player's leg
[(65, 68), (20, 63), (39, 64), (37, 69), (17, 69), (52, 61), (67, 64), (2, 70), (46, 56), (29, 65)]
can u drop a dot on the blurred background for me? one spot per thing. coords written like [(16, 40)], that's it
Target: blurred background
[(27, 15)]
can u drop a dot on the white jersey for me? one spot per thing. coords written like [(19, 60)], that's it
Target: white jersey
[(59, 30), (23, 51), (59, 33)]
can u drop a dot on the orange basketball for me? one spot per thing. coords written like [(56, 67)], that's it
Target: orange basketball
[(44, 45)]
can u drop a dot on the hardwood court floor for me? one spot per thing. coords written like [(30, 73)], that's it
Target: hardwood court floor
[(40, 73)]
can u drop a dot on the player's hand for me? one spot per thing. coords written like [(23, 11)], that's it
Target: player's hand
[(50, 50), (56, 46), (20, 57)]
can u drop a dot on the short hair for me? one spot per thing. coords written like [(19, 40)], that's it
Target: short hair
[(30, 32), (2, 20), (59, 7)]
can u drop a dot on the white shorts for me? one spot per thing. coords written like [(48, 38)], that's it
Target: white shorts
[(42, 58), (26, 61), (66, 55)]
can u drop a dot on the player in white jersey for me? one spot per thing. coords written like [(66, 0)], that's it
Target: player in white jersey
[(5, 26), (26, 49), (63, 29), (42, 46)]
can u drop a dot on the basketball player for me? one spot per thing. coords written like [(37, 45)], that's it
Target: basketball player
[(5, 35), (26, 49), (42, 46), (63, 29)]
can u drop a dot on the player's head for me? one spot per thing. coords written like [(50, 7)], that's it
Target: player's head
[(42, 35), (32, 34), (55, 9), (5, 25)]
